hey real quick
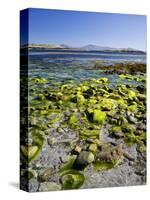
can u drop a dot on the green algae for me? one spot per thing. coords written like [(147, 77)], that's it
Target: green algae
[(30, 152), (101, 165), (117, 131), (99, 116), (93, 148), (71, 179), (86, 108), (73, 119), (69, 164), (40, 80), (87, 133)]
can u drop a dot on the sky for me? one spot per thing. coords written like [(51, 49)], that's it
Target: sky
[(77, 29)]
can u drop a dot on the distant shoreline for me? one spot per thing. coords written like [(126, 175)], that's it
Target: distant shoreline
[(87, 48), (73, 50)]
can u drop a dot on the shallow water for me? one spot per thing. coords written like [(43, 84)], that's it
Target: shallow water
[(63, 66)]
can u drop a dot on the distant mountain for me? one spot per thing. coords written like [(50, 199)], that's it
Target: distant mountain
[(89, 47), (92, 47), (65, 46)]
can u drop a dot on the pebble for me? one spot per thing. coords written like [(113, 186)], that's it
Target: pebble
[(132, 119), (129, 156)]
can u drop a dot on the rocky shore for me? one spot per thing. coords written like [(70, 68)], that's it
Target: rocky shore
[(88, 134)]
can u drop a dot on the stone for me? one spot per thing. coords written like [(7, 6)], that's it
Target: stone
[(116, 131), (72, 179), (99, 116), (93, 148), (83, 159)]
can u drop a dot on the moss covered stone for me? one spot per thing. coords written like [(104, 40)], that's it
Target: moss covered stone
[(72, 179), (99, 116), (117, 131)]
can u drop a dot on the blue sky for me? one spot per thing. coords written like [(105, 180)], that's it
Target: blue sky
[(81, 28)]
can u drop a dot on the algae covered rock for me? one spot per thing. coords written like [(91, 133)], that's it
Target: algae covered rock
[(103, 80), (80, 99), (93, 148), (117, 131), (30, 152), (108, 157), (69, 164), (73, 119), (87, 133), (99, 116), (72, 179), (108, 104), (40, 80)]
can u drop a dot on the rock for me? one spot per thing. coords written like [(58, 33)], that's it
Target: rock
[(51, 141), (141, 88), (33, 185), (132, 119), (99, 116), (46, 174), (72, 179), (77, 149), (141, 126), (129, 156), (131, 94), (80, 99), (140, 173), (93, 148), (83, 159), (49, 186), (73, 119), (131, 163), (86, 134), (116, 131), (68, 164), (30, 152), (103, 80), (109, 154)]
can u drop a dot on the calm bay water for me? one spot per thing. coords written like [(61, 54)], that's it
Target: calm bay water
[(60, 66)]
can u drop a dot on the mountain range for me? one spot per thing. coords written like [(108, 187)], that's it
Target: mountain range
[(89, 47)]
